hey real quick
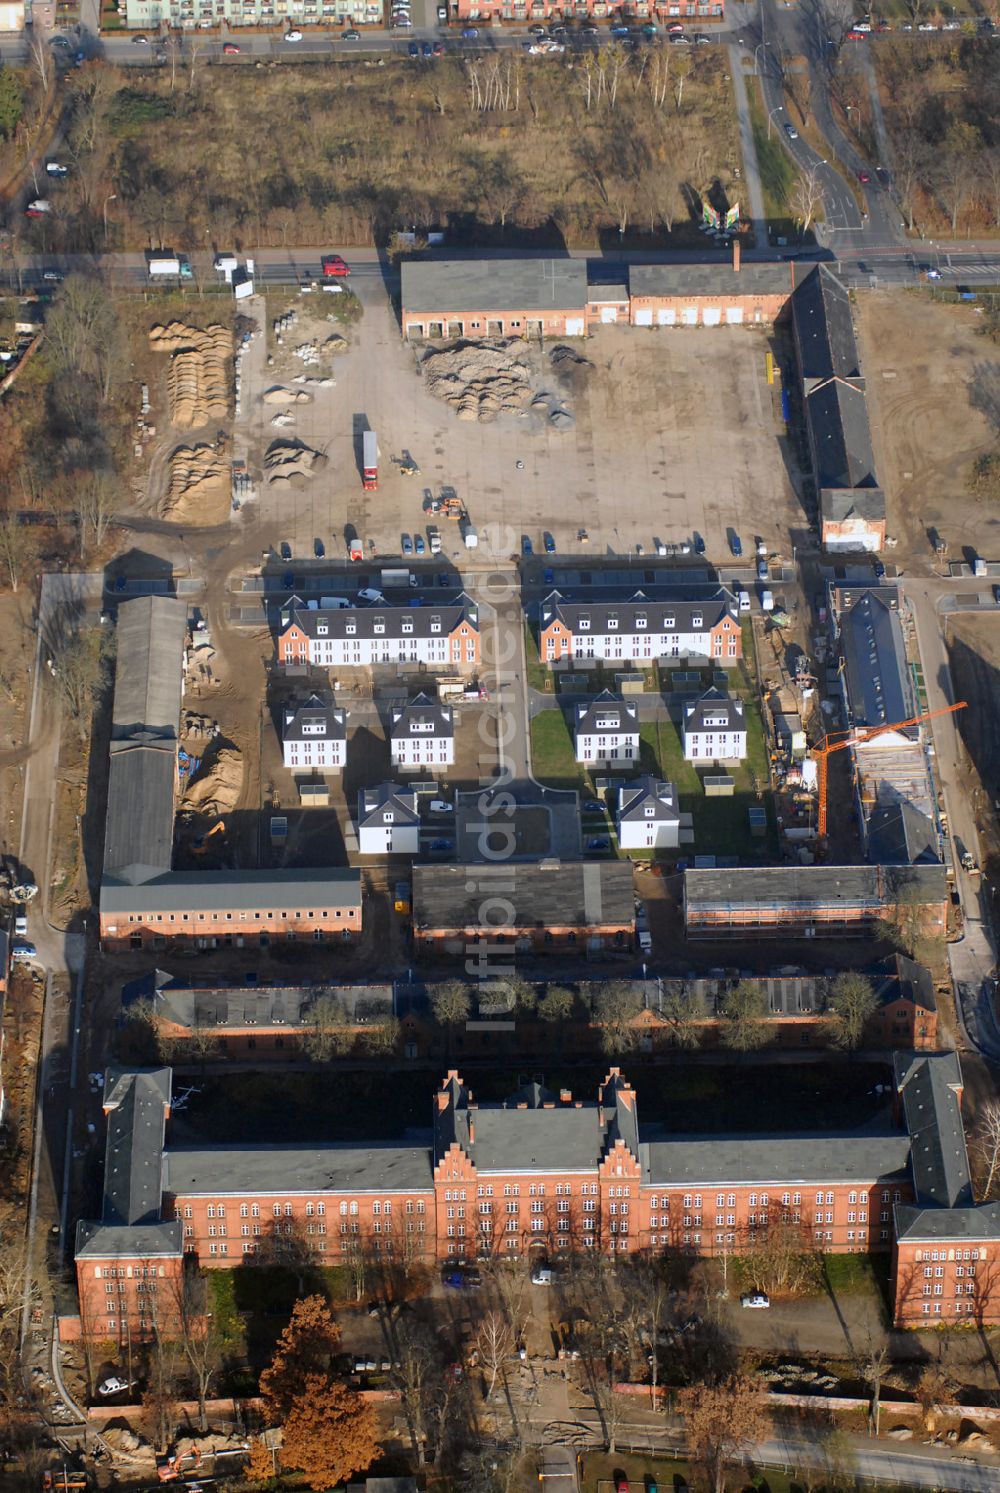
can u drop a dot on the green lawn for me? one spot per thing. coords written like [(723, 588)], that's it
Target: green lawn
[(552, 759), (538, 676)]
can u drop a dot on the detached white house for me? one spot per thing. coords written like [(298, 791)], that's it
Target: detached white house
[(715, 729), (607, 730), (388, 821), (314, 736), (648, 816), (422, 734)]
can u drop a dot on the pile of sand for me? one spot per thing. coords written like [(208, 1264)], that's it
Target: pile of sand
[(198, 381), (480, 379), (291, 463), (200, 486), (217, 786), (279, 395)]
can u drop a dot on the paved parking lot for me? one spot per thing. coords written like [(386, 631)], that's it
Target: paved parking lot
[(675, 432)]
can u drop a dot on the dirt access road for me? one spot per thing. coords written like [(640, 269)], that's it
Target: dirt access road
[(934, 392)]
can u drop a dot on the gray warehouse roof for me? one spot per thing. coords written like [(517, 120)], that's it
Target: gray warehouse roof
[(137, 1102), (240, 1006), (709, 279), (928, 1086), (231, 891), (837, 414), (824, 327), (139, 825), (229, 1170), (569, 895), (151, 633), (809, 886), (430, 287), (852, 1157), (837, 504)]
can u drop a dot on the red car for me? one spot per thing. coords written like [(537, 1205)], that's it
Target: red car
[(863, 177), (674, 30), (334, 267), (621, 1483), (230, 49)]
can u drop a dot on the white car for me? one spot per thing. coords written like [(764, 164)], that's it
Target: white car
[(112, 1386), (292, 36), (541, 1275), (23, 951), (756, 1300), (439, 806), (21, 925), (367, 593)]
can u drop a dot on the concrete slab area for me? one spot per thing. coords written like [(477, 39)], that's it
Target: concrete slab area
[(676, 431)]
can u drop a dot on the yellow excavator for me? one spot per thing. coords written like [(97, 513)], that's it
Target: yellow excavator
[(199, 846)]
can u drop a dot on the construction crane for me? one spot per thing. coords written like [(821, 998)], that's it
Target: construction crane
[(820, 754)]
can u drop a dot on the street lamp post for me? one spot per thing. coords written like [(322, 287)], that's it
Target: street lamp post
[(111, 197), (778, 109)]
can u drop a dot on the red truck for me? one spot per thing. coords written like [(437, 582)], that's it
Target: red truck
[(334, 267)]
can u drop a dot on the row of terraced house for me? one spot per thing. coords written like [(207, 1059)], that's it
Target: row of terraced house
[(541, 1174)]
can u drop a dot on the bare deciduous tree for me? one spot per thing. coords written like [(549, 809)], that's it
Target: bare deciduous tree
[(494, 1343), (986, 1148)]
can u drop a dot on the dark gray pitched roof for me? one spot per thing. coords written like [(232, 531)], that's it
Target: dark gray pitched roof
[(414, 718), (707, 279), (231, 891), (442, 286), (137, 1103), (218, 1006), (869, 1156), (876, 671), (573, 894), (968, 1224), (803, 887), (374, 803), (150, 639), (139, 822), (914, 983), (316, 719), (715, 707), (607, 713), (840, 436), (824, 327), (231, 1170), (838, 504), (661, 616), (382, 621), (927, 1085), (899, 835), (140, 1241), (634, 799), (532, 1131)]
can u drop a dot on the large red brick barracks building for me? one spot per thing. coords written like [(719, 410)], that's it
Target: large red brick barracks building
[(543, 1173)]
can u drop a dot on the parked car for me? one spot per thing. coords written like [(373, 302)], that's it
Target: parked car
[(426, 50), (21, 925), (762, 571), (621, 1483), (469, 33), (864, 177), (441, 806), (542, 1275), (549, 542), (419, 544), (230, 49), (319, 549), (413, 50), (53, 276), (601, 842), (350, 34), (736, 545), (140, 41), (879, 568), (21, 949), (369, 594), (406, 544), (548, 575), (292, 36), (756, 1300), (112, 1386), (593, 806), (444, 579), (439, 846), (526, 546), (285, 550)]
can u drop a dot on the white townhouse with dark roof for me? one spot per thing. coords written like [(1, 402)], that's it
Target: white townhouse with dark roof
[(648, 816), (715, 729), (607, 730), (388, 821), (422, 734), (442, 637), (640, 630), (314, 735)]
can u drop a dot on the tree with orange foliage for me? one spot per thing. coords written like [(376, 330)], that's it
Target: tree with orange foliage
[(722, 1421), (330, 1433), (304, 1348)]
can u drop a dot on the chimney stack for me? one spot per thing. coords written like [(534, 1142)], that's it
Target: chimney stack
[(736, 256), (472, 1131)]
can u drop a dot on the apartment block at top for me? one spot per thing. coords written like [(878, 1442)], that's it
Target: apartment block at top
[(638, 630), (494, 298), (606, 730), (148, 15), (422, 734), (715, 729), (444, 637), (543, 1170), (314, 735), (388, 821), (648, 817)]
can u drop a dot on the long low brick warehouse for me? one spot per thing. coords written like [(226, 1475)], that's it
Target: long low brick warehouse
[(543, 1172)]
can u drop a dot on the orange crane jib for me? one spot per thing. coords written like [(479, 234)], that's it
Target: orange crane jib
[(855, 738)]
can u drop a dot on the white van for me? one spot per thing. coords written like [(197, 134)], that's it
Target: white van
[(766, 601), (743, 598)]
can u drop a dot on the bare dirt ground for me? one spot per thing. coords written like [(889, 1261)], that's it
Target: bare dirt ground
[(672, 432), (974, 658), (15, 704), (930, 381)]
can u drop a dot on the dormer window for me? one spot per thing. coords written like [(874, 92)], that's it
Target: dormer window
[(696, 620), (612, 624), (387, 817), (322, 629), (650, 811), (351, 628), (378, 625), (584, 624), (435, 624), (640, 620), (407, 624), (668, 622)]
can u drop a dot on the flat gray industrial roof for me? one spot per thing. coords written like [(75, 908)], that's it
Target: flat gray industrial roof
[(791, 886), (139, 824), (573, 894), (151, 632), (537, 1139), (709, 279), (222, 1170), (430, 287), (232, 891), (711, 1161)]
